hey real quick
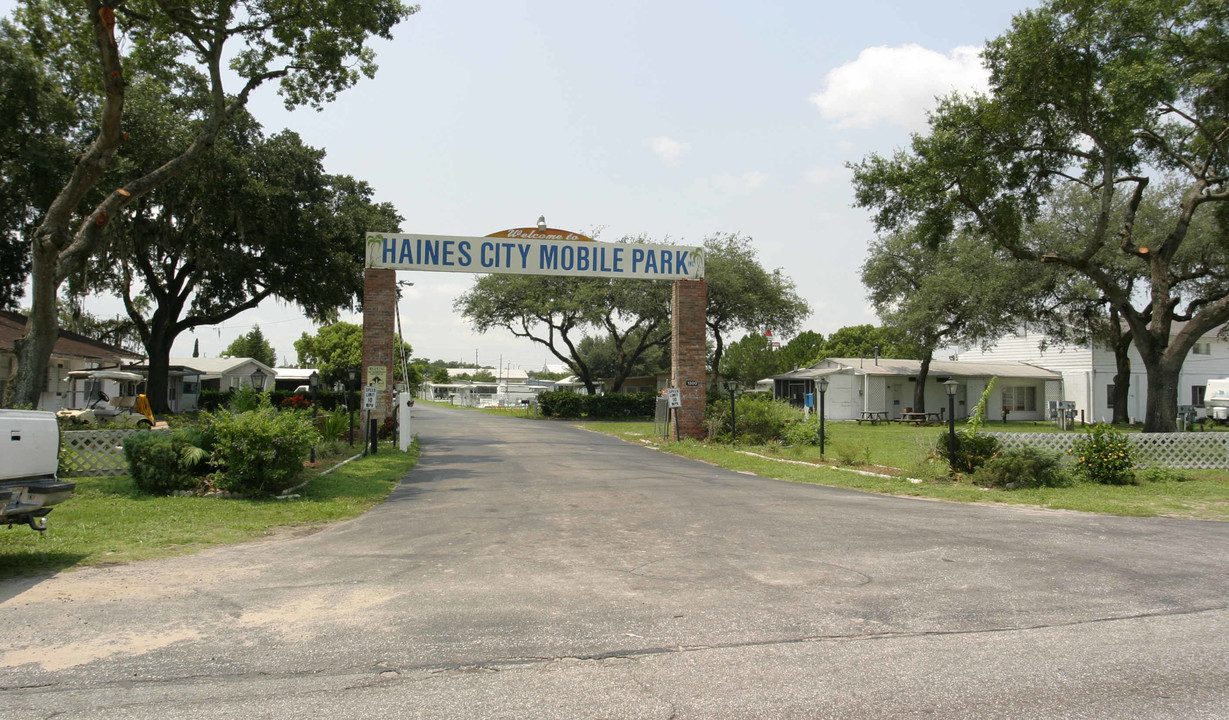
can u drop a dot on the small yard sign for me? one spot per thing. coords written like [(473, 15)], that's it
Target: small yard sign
[(674, 398), (369, 397)]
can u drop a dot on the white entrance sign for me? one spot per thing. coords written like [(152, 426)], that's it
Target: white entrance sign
[(531, 253)]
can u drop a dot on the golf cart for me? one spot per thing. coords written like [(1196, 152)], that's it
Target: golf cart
[(124, 407)]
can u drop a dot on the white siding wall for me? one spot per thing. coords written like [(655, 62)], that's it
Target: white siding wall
[(1089, 372)]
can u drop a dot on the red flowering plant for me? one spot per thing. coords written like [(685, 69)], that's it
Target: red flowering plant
[(296, 402)]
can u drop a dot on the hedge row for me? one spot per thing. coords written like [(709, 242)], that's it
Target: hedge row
[(564, 404), (326, 400)]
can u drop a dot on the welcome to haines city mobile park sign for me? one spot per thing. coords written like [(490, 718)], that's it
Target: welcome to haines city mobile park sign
[(546, 251), (534, 251)]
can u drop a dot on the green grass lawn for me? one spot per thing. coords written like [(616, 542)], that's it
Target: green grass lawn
[(900, 452), (108, 521)]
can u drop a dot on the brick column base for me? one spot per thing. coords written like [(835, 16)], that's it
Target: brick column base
[(689, 356), (379, 319)]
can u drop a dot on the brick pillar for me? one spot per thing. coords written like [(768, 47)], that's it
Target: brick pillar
[(688, 304), (379, 319)]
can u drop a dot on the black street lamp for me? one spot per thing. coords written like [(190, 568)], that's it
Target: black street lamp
[(950, 386), (732, 386), (823, 388), (350, 401)]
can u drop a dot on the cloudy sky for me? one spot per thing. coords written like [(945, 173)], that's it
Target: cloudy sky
[(674, 119)]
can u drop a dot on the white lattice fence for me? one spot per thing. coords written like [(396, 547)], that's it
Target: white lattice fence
[(1205, 450), (88, 453)]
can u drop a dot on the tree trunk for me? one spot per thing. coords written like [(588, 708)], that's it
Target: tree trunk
[(42, 329), (1122, 380), (919, 392), (158, 350), (1161, 410), (718, 348)]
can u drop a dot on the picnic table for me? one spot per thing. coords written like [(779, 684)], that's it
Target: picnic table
[(874, 417), (921, 418)]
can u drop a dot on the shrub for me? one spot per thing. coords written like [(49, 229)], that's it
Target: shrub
[(805, 432), (564, 404), (334, 426), (1162, 475), (211, 400), (760, 420), (1104, 455), (295, 402), (1026, 467), (560, 404), (244, 399), (851, 454), (973, 450), (259, 451), (619, 405), (156, 463)]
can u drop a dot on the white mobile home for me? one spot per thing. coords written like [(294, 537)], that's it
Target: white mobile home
[(886, 385), (1088, 370)]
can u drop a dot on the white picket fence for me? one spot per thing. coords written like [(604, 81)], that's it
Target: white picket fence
[(1194, 450), (89, 453)]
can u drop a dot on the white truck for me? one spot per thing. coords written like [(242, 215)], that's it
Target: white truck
[(1216, 399), (29, 460)]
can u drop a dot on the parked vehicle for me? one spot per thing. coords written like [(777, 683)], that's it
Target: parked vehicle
[(1216, 399), (31, 457), (127, 407)]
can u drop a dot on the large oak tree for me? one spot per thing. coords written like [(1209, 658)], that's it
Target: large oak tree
[(312, 49), (1110, 96)]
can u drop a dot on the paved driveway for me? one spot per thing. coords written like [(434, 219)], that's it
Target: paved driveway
[(529, 570)]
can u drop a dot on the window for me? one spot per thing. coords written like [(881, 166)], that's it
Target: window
[(1023, 399), (1202, 348), (1109, 395), (1197, 392)]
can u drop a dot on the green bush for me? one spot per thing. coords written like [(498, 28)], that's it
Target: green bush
[(760, 420), (259, 451), (1026, 467), (1162, 475), (156, 462), (1104, 455), (564, 404), (560, 404), (973, 450), (620, 405), (245, 399), (211, 400), (334, 426), (805, 432)]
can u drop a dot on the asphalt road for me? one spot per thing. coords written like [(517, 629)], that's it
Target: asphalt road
[(534, 570)]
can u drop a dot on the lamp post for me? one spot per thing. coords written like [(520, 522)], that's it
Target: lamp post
[(314, 382), (823, 388), (732, 386), (258, 380), (350, 401), (950, 386)]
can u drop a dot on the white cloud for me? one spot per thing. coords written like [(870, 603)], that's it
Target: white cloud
[(668, 149), (744, 183), (828, 175), (897, 85)]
